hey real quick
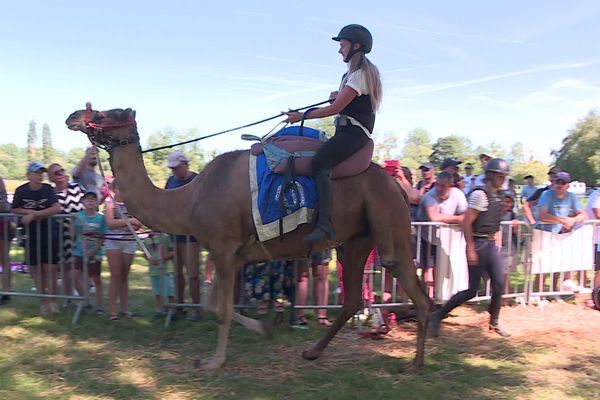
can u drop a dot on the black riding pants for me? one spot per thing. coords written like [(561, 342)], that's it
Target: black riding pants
[(346, 141), (488, 260)]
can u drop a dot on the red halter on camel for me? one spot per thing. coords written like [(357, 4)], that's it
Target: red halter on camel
[(100, 139)]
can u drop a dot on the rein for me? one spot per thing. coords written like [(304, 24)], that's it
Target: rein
[(232, 129), (106, 142)]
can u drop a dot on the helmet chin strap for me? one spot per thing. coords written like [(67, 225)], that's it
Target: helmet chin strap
[(352, 52)]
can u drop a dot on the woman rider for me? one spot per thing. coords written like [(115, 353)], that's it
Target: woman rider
[(354, 104)]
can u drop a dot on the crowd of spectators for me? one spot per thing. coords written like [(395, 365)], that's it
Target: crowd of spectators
[(98, 228)]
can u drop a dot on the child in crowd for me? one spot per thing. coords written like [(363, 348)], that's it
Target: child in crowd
[(161, 269), (89, 228)]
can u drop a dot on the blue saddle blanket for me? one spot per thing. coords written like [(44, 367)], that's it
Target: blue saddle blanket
[(299, 199)]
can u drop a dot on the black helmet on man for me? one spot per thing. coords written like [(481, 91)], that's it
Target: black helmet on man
[(355, 33), (498, 165)]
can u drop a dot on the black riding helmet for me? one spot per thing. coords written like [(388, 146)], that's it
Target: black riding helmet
[(355, 33), (498, 165)]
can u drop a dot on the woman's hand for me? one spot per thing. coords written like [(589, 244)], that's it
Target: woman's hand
[(135, 223), (293, 116)]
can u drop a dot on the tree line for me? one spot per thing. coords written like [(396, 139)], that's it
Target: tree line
[(579, 154)]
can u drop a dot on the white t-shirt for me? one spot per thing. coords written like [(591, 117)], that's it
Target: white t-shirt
[(455, 204), (356, 81)]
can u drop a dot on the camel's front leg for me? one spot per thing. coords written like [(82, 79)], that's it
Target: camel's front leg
[(352, 254), (222, 306), (263, 327)]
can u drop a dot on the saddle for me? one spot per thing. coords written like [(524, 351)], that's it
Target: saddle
[(288, 154), (300, 150)]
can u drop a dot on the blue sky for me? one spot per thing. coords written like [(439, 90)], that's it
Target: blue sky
[(492, 71)]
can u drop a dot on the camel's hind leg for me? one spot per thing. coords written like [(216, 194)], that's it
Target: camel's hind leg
[(353, 255), (407, 276)]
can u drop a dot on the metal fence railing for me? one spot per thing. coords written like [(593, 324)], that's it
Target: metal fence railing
[(537, 264)]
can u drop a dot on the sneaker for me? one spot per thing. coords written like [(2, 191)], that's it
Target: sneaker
[(66, 305), (499, 330), (100, 312), (207, 284), (5, 299), (434, 323)]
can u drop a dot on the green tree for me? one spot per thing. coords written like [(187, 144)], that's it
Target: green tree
[(13, 161), (536, 168), (48, 152), (156, 161), (453, 146), (417, 148), (516, 155), (384, 147), (31, 141), (580, 151)]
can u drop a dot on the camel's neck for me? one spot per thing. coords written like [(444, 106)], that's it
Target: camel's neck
[(156, 208)]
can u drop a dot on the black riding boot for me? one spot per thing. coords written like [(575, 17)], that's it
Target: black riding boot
[(323, 229)]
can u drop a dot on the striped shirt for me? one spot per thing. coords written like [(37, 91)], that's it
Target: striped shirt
[(70, 202)]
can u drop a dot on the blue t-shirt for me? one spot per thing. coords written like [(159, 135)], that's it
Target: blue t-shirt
[(566, 207), (527, 191), (174, 183), (86, 227)]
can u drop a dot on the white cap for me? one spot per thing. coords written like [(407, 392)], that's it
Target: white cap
[(176, 158)]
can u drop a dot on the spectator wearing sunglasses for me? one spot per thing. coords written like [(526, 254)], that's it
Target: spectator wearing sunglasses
[(69, 195)]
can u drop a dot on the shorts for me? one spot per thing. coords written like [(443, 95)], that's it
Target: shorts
[(168, 284), (428, 253), (94, 266), (126, 246), (46, 253)]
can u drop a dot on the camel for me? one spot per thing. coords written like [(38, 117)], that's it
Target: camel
[(370, 210)]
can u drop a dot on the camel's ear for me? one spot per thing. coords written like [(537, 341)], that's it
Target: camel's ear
[(128, 114)]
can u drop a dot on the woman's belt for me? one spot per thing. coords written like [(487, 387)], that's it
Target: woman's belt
[(346, 120), (485, 236)]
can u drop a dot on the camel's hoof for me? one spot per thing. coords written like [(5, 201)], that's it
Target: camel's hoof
[(411, 368), (267, 328), (207, 365), (311, 354)]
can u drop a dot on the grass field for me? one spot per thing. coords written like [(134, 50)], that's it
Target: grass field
[(553, 354)]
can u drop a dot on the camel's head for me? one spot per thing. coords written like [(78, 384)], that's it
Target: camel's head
[(107, 129)]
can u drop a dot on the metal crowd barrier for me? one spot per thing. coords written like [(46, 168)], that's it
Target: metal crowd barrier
[(59, 276), (527, 251)]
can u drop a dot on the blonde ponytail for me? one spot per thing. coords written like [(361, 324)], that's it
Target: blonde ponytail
[(371, 75)]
